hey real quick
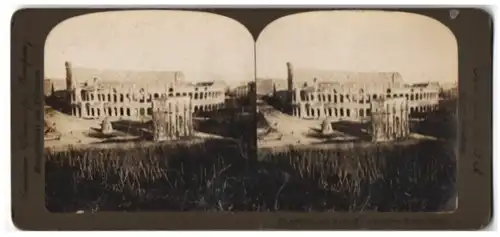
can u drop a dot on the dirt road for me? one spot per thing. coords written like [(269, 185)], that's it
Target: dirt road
[(75, 132), (293, 130), (286, 124)]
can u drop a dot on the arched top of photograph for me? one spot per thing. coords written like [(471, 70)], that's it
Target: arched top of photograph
[(347, 43), (199, 46)]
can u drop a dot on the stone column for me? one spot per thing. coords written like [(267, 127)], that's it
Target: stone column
[(407, 117), (84, 111), (167, 118), (183, 116), (184, 113), (298, 101), (185, 119), (171, 121), (187, 115), (190, 117), (180, 115), (77, 95), (176, 117), (175, 129), (302, 109)]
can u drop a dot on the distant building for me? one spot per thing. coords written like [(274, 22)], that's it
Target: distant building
[(389, 119), (244, 93), (129, 94), (242, 90), (172, 118), (266, 86), (449, 91), (348, 95)]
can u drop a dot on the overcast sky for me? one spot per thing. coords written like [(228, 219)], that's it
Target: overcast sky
[(420, 48), (204, 46)]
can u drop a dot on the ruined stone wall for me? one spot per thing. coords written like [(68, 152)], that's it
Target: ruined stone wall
[(389, 119), (241, 91), (290, 94), (134, 101), (92, 98), (354, 102), (172, 118)]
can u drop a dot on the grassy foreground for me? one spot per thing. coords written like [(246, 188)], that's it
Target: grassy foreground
[(217, 176)]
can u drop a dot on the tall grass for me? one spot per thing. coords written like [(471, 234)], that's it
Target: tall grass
[(216, 176), (162, 177), (409, 177)]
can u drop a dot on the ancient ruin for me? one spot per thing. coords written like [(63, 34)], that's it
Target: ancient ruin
[(338, 95), (389, 119), (95, 94), (172, 118)]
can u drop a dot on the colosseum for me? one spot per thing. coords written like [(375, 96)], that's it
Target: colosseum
[(314, 94), (95, 94)]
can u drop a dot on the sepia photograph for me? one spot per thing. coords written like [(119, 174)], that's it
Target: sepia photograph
[(357, 110), (227, 118), (146, 111), (326, 111)]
